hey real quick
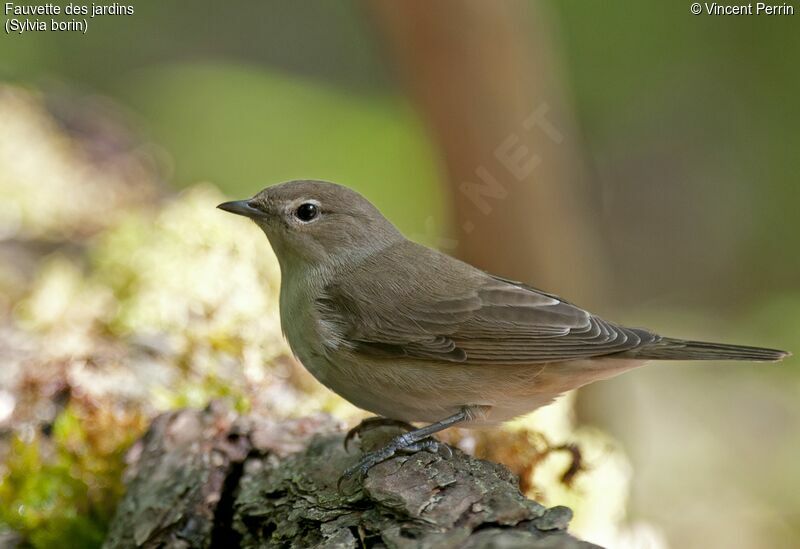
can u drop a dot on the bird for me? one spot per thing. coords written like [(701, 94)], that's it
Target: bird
[(417, 336)]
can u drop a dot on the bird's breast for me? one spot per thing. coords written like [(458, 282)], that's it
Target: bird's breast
[(311, 337)]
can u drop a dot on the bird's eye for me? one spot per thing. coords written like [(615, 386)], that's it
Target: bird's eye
[(306, 212)]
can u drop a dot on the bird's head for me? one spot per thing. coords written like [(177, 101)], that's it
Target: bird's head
[(316, 223)]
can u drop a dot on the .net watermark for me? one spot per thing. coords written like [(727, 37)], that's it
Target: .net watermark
[(757, 8)]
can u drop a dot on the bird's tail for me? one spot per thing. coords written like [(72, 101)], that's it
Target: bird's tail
[(668, 348)]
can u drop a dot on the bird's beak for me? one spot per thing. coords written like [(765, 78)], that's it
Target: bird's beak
[(241, 207)]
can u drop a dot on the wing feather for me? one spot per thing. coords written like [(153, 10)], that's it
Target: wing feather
[(463, 315)]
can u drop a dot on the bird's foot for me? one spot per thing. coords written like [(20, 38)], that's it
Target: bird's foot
[(373, 423), (428, 445), (401, 444), (412, 441)]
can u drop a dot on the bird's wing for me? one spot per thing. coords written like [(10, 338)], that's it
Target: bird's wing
[(438, 308)]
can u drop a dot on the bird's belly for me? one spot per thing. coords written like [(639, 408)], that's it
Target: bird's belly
[(417, 391)]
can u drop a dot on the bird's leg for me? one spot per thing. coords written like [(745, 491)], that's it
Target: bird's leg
[(373, 423), (412, 440)]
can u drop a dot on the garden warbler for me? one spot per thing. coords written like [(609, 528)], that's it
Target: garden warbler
[(415, 335)]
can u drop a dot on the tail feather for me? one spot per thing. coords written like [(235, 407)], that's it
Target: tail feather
[(680, 349)]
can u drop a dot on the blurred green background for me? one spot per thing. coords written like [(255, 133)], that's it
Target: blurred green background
[(684, 129)]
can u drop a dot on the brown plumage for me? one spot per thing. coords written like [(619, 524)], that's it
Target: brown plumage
[(415, 335)]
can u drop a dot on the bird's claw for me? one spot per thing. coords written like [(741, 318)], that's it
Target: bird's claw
[(398, 445), (428, 445), (373, 423)]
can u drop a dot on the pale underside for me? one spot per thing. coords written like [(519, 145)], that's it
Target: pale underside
[(413, 334)]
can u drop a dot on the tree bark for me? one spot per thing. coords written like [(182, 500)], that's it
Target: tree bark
[(210, 479)]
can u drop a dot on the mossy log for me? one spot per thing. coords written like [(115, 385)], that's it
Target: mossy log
[(206, 478)]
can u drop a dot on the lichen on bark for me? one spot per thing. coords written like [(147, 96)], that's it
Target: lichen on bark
[(207, 478)]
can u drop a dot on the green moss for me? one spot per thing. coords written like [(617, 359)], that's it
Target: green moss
[(61, 490)]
